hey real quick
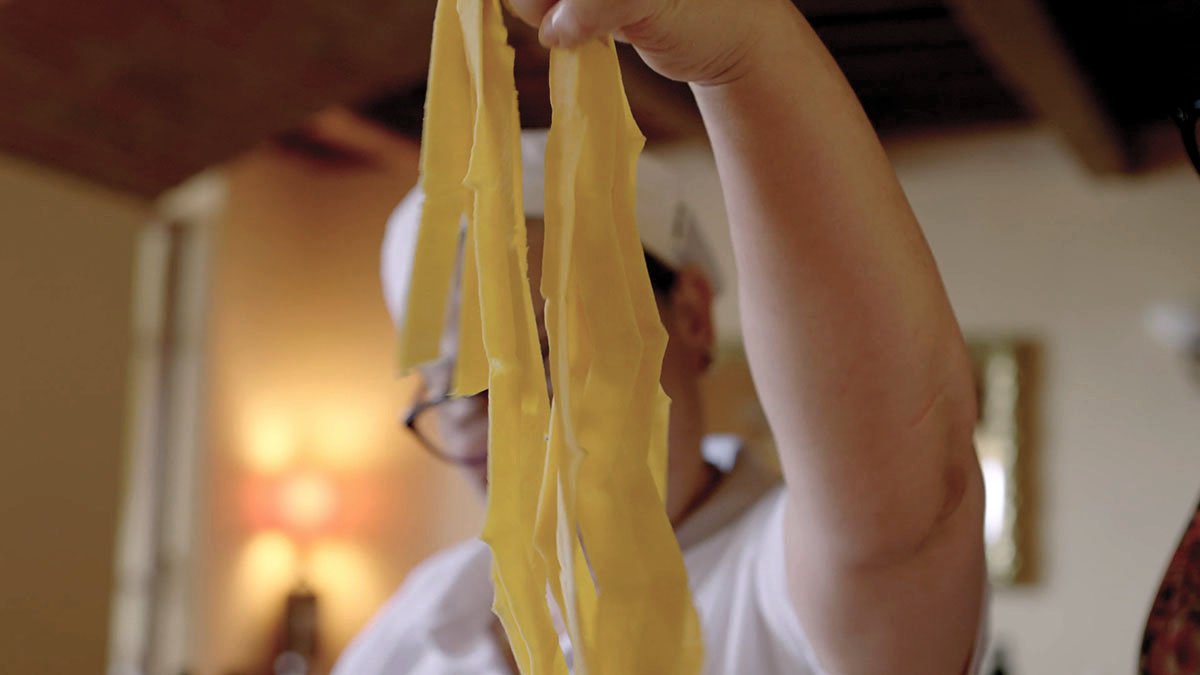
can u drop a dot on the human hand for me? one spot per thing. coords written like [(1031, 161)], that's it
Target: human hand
[(700, 41)]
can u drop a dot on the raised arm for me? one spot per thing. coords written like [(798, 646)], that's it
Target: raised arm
[(855, 352), (858, 361)]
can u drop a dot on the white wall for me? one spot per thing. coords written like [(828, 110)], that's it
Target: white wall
[(1029, 244)]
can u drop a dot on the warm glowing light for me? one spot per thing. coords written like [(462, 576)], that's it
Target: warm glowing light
[(350, 437), (266, 568), (270, 446), (269, 555), (350, 584), (307, 502)]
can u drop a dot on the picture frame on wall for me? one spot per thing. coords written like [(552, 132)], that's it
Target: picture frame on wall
[(1005, 382), (1005, 371)]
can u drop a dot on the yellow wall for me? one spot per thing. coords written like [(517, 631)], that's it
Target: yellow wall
[(301, 379), (66, 263)]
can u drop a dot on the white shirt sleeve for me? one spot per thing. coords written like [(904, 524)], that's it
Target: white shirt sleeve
[(740, 591), (772, 588)]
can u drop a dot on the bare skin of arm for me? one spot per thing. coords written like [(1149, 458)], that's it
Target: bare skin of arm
[(855, 352)]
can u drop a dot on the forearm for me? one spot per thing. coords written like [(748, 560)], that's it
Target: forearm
[(855, 352)]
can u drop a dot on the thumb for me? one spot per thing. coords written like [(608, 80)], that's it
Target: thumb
[(570, 23), (530, 11)]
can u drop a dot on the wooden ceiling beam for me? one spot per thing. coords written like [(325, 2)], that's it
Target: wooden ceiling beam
[(139, 95), (1021, 41), (816, 10)]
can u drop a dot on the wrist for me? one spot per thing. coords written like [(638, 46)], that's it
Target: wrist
[(757, 33)]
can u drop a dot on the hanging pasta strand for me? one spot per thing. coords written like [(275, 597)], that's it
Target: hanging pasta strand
[(445, 153), (519, 403), (471, 369), (576, 488), (642, 620)]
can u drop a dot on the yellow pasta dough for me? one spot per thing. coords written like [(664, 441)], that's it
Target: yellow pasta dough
[(446, 150), (614, 414), (576, 489)]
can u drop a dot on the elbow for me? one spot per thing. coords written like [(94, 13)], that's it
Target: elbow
[(948, 512), (930, 487)]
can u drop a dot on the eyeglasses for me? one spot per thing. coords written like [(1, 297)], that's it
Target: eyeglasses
[(421, 421), (1186, 117)]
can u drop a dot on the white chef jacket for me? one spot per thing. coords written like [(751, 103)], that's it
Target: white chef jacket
[(440, 621)]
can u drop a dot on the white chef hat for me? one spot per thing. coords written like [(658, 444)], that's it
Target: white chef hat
[(668, 226)]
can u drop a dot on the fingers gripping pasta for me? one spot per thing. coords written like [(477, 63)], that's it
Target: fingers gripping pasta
[(576, 490)]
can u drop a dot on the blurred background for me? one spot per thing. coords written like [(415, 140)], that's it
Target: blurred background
[(202, 466)]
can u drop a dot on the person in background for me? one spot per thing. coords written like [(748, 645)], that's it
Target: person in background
[(1171, 643), (868, 558)]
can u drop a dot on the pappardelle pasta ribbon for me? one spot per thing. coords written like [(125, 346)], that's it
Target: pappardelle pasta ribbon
[(575, 514)]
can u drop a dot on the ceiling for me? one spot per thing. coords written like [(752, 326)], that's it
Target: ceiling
[(1140, 55), (140, 94), (910, 62)]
